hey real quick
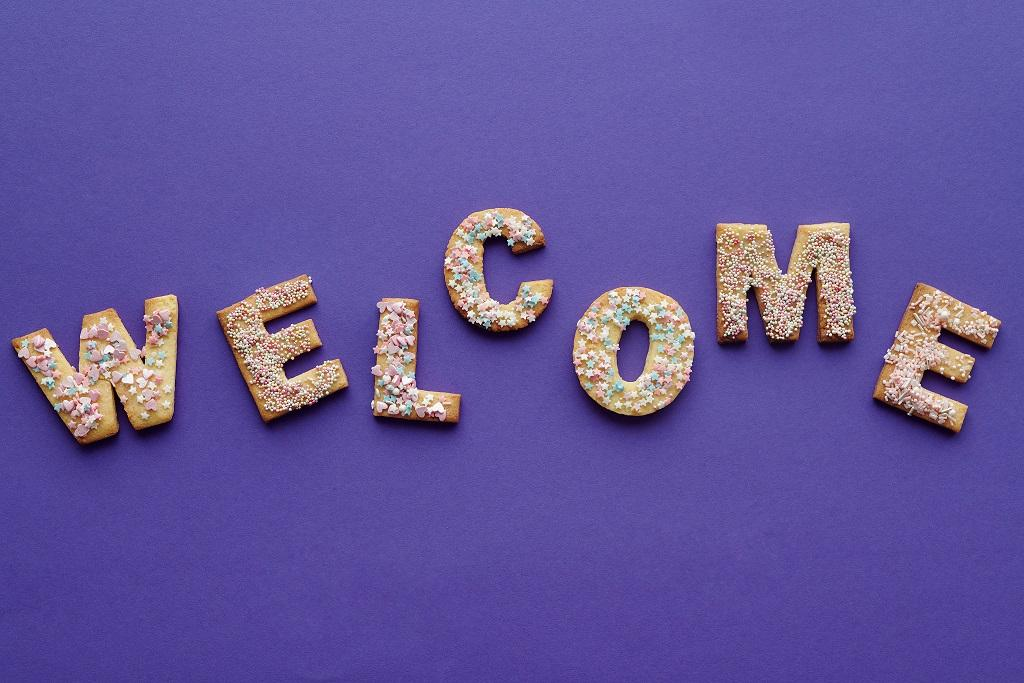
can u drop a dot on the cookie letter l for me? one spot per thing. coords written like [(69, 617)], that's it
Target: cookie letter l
[(108, 358), (395, 393), (261, 355), (464, 270), (746, 258), (917, 349)]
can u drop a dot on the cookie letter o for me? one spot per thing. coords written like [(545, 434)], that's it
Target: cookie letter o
[(464, 270), (669, 355)]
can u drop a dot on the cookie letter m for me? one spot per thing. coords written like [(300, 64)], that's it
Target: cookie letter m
[(746, 259)]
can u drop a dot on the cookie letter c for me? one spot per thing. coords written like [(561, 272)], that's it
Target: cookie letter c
[(464, 270), (669, 355)]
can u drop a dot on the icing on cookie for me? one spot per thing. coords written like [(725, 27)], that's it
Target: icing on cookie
[(669, 357), (464, 270), (746, 259), (395, 391), (261, 355), (108, 358), (916, 349)]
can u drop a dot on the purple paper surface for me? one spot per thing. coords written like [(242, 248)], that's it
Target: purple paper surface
[(774, 523)]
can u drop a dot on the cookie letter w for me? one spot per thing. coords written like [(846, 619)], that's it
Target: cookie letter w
[(108, 359)]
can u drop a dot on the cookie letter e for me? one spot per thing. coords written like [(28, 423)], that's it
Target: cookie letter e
[(669, 354), (261, 356), (746, 258), (917, 349), (464, 270), (143, 380), (395, 392)]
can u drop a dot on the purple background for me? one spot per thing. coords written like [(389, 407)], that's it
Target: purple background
[(773, 523)]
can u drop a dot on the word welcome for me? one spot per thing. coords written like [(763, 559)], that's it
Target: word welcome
[(143, 380)]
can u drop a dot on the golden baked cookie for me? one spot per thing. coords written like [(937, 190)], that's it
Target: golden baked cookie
[(108, 359), (464, 270), (916, 350), (261, 355), (669, 355), (395, 390), (746, 259)]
